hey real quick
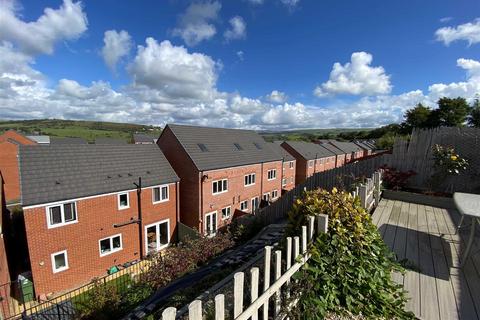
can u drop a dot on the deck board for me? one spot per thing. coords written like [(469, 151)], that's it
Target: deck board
[(425, 237)]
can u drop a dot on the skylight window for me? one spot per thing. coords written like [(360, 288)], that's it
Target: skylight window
[(202, 147), (259, 147), (238, 146)]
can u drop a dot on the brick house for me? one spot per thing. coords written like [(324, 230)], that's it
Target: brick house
[(311, 158), (352, 151), (339, 154), (4, 269), (82, 214), (288, 167), (9, 144), (223, 173), (367, 149)]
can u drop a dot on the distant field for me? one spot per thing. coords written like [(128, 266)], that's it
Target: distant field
[(312, 134), (88, 130)]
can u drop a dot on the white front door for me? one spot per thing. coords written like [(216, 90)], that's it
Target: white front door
[(211, 223), (157, 236)]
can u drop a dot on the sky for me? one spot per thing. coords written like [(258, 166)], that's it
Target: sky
[(257, 64)]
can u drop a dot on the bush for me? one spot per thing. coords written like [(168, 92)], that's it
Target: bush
[(184, 258), (394, 179), (350, 266)]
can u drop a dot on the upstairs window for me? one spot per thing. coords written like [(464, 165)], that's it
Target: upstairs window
[(110, 245), (310, 163), (123, 201), (226, 213), (291, 164), (160, 194), (271, 174), (250, 179), (61, 214), (59, 261), (219, 186)]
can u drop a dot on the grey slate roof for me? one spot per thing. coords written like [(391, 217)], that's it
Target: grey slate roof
[(333, 149), (110, 141), (363, 145), (348, 147), (220, 143), (60, 140), (143, 138), (284, 153), (310, 151), (62, 172)]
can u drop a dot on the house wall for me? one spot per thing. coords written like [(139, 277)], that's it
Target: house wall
[(96, 218), (189, 178), (340, 160), (9, 164), (289, 174), (301, 165), (237, 191), (4, 271)]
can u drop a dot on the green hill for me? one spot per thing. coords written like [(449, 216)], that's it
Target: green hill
[(88, 130)]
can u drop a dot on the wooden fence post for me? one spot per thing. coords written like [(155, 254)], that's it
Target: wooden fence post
[(169, 314), (238, 280), (311, 228), (266, 280), (219, 307), (255, 272), (278, 273), (296, 248), (304, 239), (195, 310), (363, 195), (289, 262), (322, 223)]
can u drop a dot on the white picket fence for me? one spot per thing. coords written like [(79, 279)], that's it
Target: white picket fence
[(370, 191), (296, 256)]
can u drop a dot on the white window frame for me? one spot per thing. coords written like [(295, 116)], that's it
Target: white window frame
[(52, 257), (272, 172), (213, 213), (242, 204), (157, 224), (291, 165), (276, 194), (112, 250), (223, 191), (118, 200), (268, 196), (284, 182), (229, 216), (160, 187), (250, 175), (62, 212), (310, 163), (257, 201)]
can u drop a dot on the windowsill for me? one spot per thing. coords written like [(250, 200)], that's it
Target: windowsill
[(214, 194), (123, 208), (272, 179), (161, 201), (249, 185), (226, 218), (58, 225), (60, 270), (110, 252)]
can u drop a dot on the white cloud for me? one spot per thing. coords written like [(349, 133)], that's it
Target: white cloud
[(445, 19), (174, 71), (290, 3), (116, 46), (469, 32), (66, 23), (256, 2), (277, 96), (356, 78), (240, 55), (238, 29), (195, 24)]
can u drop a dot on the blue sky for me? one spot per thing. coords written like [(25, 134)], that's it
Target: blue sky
[(257, 64)]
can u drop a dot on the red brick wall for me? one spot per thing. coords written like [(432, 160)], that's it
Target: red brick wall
[(96, 217), (289, 174), (237, 191), (9, 163), (4, 271), (189, 178), (340, 160)]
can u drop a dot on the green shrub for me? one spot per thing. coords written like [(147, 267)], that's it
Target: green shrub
[(350, 266)]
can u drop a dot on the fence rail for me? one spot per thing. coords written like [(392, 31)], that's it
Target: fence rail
[(349, 177), (296, 255)]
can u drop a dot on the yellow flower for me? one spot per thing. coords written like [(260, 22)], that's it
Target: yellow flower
[(453, 158)]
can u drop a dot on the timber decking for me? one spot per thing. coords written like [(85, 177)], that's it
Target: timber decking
[(424, 238)]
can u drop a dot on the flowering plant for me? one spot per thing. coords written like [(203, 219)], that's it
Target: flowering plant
[(447, 161)]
